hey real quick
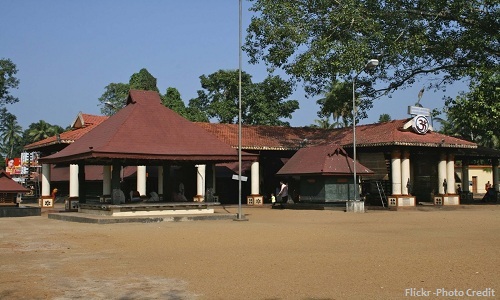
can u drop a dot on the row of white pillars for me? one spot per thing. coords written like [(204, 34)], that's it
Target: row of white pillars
[(446, 174), (141, 180), (400, 166)]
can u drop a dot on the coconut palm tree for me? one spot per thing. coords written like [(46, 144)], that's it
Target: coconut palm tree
[(42, 130), (11, 134)]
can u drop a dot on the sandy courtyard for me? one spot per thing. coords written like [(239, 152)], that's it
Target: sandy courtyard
[(277, 254)]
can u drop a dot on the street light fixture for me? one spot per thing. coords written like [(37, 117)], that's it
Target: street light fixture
[(372, 63)]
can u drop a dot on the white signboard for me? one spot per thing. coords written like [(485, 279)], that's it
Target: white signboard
[(416, 110), (243, 178)]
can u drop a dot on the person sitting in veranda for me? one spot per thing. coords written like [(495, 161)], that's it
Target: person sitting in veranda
[(135, 196)]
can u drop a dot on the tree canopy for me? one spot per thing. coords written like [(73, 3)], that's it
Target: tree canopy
[(323, 41), (115, 95), (262, 103), (475, 115), (7, 81)]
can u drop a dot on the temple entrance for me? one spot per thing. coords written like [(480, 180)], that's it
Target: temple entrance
[(425, 176)]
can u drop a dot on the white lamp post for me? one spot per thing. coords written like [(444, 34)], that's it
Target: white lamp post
[(372, 63)]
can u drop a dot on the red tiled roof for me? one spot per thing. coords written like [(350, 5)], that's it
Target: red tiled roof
[(7, 185), (324, 160), (261, 137), (147, 130), (293, 138), (392, 133), (68, 137)]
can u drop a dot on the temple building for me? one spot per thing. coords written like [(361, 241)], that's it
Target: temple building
[(148, 148)]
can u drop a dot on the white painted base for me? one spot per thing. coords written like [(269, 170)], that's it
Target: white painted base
[(401, 201), (257, 200), (46, 202), (118, 213), (355, 206), (447, 200)]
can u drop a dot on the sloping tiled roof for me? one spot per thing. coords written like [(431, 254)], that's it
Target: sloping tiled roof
[(322, 160), (146, 130), (83, 124), (260, 137), (392, 133), (7, 185), (293, 138)]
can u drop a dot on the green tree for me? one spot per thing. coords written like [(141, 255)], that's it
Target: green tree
[(11, 134), (41, 130), (114, 98), (7, 81), (475, 115), (262, 103), (172, 99), (337, 102), (143, 80), (384, 118), (324, 124), (323, 41), (115, 94)]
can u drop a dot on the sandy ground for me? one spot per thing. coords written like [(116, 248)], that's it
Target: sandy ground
[(277, 254)]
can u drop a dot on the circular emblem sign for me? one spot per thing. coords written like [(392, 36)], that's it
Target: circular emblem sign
[(420, 124)]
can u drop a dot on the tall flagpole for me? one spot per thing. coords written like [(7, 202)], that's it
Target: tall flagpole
[(239, 119)]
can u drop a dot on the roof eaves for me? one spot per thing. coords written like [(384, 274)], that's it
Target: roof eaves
[(277, 148), (28, 147), (396, 143)]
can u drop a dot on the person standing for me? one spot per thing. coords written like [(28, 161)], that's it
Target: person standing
[(487, 186), (283, 192)]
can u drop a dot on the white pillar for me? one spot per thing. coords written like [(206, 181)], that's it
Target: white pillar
[(160, 180), (255, 178), (45, 180), (200, 180), (73, 181), (106, 180), (450, 174), (396, 172), (141, 180), (441, 173), (405, 172)]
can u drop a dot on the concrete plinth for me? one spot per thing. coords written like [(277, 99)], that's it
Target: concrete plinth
[(355, 206), (7, 212)]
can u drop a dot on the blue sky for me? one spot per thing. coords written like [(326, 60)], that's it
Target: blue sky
[(67, 52)]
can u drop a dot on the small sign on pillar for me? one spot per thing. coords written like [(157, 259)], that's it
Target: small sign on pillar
[(46, 202)]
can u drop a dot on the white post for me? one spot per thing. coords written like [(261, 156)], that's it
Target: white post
[(396, 172), (73, 181), (255, 178), (450, 174), (441, 173), (200, 180), (405, 172), (45, 180), (106, 180), (141, 180)]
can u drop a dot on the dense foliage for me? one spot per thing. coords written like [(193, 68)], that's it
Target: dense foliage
[(262, 103), (8, 81), (323, 42), (475, 115)]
